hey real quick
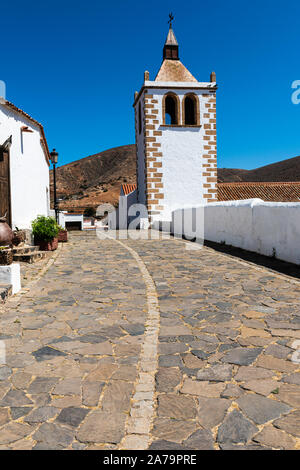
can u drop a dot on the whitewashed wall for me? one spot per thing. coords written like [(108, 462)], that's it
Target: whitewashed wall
[(182, 149), (29, 170), (119, 219), (267, 228), (140, 144)]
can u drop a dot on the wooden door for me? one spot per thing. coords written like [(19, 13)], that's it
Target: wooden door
[(5, 186)]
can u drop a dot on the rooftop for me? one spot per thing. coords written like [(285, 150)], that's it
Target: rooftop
[(128, 188), (17, 110), (174, 71), (274, 191)]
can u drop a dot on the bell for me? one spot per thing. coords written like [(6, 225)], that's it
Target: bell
[(6, 233)]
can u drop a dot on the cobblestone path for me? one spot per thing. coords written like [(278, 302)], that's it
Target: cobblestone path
[(90, 364)]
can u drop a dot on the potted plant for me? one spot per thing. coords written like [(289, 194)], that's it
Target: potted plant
[(6, 255), (45, 231), (18, 237), (62, 234)]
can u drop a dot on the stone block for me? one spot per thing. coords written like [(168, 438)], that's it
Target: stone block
[(11, 275)]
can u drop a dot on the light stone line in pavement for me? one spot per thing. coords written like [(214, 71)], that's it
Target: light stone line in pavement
[(141, 415)]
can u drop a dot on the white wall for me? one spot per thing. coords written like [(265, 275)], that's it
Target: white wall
[(182, 149), (119, 218), (140, 144), (266, 228), (29, 170)]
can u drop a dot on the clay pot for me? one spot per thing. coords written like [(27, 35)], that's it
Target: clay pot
[(6, 233), (63, 236), (47, 245)]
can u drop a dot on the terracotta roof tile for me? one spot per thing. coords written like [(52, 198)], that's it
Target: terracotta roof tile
[(128, 188), (276, 191)]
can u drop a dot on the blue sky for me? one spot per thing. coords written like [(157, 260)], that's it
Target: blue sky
[(74, 66)]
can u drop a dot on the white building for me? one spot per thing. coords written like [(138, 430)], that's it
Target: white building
[(70, 220), (175, 124), (24, 167), (119, 218)]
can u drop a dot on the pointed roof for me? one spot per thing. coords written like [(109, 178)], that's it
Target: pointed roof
[(171, 39), (174, 71)]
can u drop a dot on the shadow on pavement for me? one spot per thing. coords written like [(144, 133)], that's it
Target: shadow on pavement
[(282, 267)]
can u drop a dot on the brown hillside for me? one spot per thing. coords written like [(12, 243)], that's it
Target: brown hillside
[(231, 175), (95, 179), (286, 170)]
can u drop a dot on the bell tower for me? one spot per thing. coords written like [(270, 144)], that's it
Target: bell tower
[(175, 128)]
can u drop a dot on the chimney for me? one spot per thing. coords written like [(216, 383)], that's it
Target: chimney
[(213, 77)]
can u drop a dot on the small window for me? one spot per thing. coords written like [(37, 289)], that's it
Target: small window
[(140, 118), (190, 110), (171, 110)]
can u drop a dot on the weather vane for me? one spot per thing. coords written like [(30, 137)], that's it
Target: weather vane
[(171, 19)]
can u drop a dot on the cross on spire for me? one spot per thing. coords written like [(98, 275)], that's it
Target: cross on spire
[(171, 18), (171, 44)]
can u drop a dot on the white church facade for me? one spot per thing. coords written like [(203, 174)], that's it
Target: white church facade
[(24, 167), (175, 127)]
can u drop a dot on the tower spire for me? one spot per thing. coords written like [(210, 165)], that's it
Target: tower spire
[(171, 44)]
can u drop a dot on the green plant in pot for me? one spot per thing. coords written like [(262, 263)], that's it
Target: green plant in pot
[(45, 231)]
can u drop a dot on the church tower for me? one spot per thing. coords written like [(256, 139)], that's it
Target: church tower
[(175, 127)]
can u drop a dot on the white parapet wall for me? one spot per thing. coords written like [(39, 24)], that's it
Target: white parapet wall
[(267, 228), (11, 276)]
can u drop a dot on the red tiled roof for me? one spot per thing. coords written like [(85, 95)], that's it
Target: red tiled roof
[(75, 213), (43, 139), (128, 188), (277, 191)]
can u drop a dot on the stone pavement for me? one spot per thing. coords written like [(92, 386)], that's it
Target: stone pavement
[(145, 344), (30, 271)]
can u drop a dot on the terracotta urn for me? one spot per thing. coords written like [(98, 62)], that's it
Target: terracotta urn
[(62, 236), (6, 233), (47, 245)]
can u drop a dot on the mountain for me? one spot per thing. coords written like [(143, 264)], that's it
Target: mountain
[(286, 170), (96, 179)]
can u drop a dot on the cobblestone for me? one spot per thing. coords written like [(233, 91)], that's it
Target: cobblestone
[(145, 344)]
